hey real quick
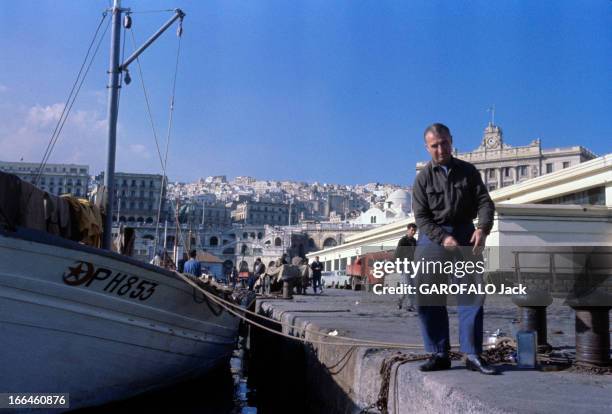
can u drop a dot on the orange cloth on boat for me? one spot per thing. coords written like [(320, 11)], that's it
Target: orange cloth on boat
[(88, 219)]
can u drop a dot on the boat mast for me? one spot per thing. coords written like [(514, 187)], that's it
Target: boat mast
[(115, 68), (113, 106)]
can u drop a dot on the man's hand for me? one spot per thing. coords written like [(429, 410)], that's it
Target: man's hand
[(449, 243), (478, 241)]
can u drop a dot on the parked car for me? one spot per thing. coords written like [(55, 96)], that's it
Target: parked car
[(336, 278)]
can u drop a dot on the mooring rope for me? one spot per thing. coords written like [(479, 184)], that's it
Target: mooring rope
[(355, 341)]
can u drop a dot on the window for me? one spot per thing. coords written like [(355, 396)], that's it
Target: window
[(491, 173), (522, 170), (593, 196), (507, 172), (566, 164), (373, 219), (549, 168)]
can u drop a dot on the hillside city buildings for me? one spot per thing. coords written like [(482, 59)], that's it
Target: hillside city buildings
[(237, 220)]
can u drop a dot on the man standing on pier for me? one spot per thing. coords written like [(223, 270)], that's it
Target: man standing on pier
[(448, 194), (317, 268), (405, 250)]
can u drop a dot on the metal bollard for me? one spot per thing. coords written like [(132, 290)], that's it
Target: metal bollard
[(532, 314), (592, 335), (592, 326), (287, 290), (533, 318)]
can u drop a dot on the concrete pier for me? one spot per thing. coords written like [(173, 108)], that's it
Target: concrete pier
[(348, 380)]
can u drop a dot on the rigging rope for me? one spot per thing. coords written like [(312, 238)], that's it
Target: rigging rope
[(163, 160), (72, 96)]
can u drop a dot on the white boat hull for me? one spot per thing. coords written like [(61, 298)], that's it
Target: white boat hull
[(101, 328)]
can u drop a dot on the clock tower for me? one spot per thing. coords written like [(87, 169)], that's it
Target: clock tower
[(492, 137)]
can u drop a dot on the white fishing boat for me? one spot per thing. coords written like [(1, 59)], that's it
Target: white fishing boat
[(97, 325), (93, 323)]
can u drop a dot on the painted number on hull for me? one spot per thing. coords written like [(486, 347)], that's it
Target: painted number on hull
[(122, 284)]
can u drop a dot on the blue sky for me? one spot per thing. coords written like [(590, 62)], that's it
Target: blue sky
[(329, 91)]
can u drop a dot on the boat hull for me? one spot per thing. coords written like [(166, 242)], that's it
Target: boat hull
[(101, 328)]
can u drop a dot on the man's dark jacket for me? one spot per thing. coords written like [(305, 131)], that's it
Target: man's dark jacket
[(316, 267), (405, 248), (460, 197)]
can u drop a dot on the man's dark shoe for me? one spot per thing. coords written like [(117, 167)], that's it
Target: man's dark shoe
[(476, 363), (436, 363)]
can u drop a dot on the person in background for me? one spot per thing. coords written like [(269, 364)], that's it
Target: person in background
[(192, 266), (156, 260), (181, 263), (317, 268), (234, 276), (258, 269), (405, 250)]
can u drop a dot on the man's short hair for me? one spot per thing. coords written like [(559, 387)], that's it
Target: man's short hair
[(439, 130), (193, 254), (412, 226)]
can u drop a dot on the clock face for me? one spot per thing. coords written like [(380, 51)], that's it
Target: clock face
[(492, 142)]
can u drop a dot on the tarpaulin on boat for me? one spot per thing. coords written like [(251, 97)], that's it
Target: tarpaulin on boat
[(23, 204)]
